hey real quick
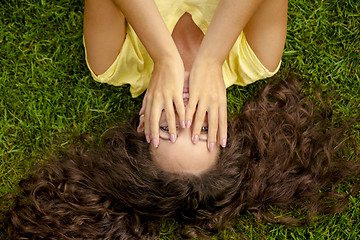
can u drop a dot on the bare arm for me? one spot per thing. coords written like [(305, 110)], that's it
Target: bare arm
[(166, 84), (148, 24), (207, 88), (229, 20)]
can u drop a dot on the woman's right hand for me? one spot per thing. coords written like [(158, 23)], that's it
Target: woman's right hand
[(165, 87), (164, 93)]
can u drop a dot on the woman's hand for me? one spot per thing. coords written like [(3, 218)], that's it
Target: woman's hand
[(165, 87), (164, 93), (207, 94)]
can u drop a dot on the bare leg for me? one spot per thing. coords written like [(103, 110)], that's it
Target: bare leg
[(104, 32), (266, 32)]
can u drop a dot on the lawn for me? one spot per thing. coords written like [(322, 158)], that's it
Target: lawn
[(47, 95)]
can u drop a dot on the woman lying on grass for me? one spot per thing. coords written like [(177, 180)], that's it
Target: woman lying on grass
[(243, 43), (281, 152), (278, 152), (183, 69)]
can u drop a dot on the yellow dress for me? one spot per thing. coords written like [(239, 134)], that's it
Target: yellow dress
[(134, 65)]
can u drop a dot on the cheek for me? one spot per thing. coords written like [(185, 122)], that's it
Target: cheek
[(160, 157)]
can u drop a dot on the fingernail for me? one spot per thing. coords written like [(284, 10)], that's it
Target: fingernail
[(211, 146), (223, 143), (148, 138), (195, 139), (172, 137), (182, 123), (155, 143), (188, 124)]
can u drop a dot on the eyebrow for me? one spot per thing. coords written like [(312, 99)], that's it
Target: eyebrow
[(168, 139)]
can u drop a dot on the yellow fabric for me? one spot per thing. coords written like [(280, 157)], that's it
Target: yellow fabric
[(134, 65)]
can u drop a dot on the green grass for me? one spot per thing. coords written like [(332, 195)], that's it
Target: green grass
[(47, 94)]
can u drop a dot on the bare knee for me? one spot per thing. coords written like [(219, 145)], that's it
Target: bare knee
[(266, 32), (104, 33)]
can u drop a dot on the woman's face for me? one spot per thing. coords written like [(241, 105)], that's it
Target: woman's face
[(183, 156)]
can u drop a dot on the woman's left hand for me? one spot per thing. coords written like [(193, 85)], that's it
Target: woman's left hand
[(207, 94)]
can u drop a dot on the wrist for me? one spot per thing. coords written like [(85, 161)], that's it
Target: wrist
[(205, 60), (166, 53), (169, 61)]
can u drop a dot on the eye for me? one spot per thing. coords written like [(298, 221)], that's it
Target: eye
[(204, 129), (164, 128)]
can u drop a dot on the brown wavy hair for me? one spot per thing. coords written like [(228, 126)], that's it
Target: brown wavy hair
[(281, 152)]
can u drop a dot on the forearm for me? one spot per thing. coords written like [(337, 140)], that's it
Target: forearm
[(148, 24), (228, 21)]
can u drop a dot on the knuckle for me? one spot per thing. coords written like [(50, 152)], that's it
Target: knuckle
[(189, 115), (213, 121), (169, 113), (199, 119), (170, 121), (190, 107), (214, 98), (170, 117), (212, 139), (180, 112), (147, 131), (166, 95), (180, 108), (212, 135), (153, 122), (213, 132), (196, 129), (192, 100), (196, 132), (156, 96), (190, 111), (172, 130)]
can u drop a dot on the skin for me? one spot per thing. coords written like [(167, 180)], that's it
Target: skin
[(264, 23), (170, 156)]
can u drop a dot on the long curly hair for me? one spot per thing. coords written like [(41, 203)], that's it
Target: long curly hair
[(281, 152)]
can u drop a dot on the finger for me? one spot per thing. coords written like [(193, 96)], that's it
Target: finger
[(190, 110), (147, 120), (171, 120), (223, 124), (212, 127), (140, 128), (198, 122), (154, 123), (180, 109), (142, 109)]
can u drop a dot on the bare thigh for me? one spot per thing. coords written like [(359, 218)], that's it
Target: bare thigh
[(266, 32), (104, 33)]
